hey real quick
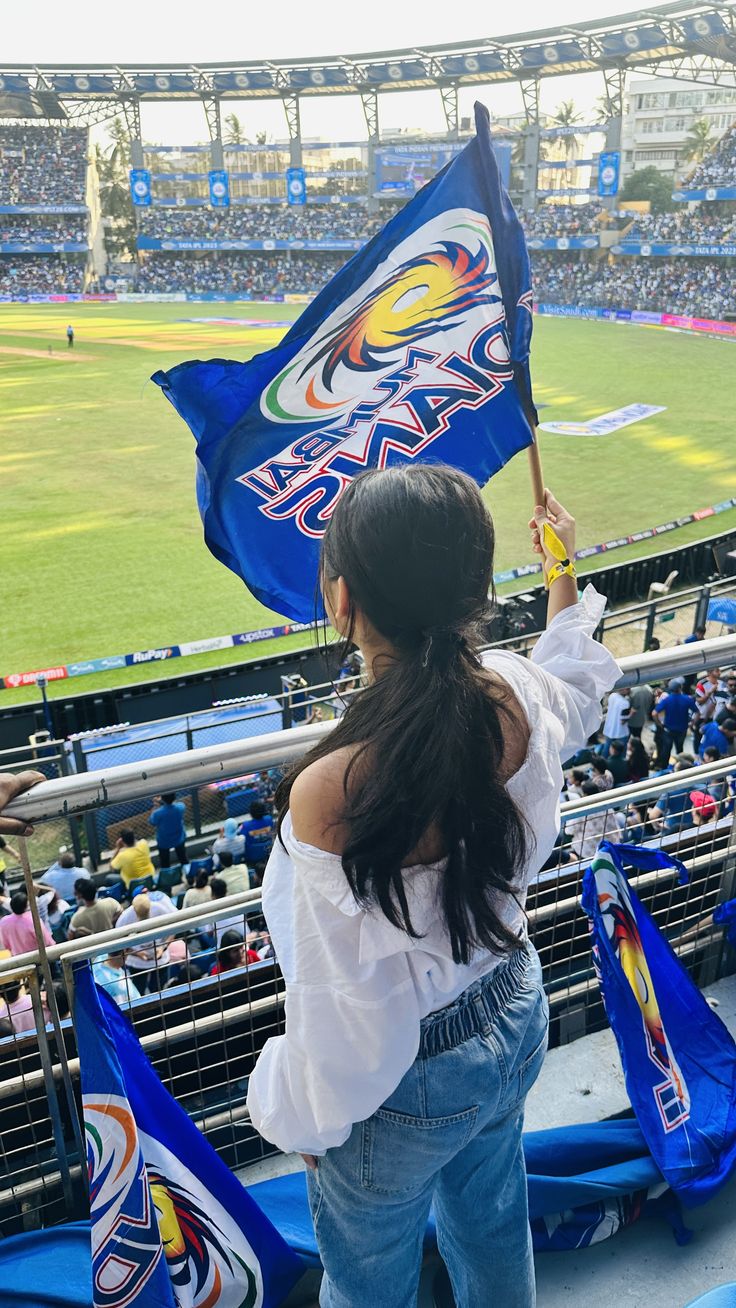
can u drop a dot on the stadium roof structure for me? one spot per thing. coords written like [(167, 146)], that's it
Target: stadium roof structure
[(697, 41)]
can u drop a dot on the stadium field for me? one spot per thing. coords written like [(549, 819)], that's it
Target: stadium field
[(102, 545)]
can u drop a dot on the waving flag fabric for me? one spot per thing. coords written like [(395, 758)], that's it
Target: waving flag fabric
[(171, 1225), (417, 349), (678, 1058)]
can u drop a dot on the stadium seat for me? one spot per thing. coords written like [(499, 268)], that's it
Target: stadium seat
[(112, 892), (723, 1296), (59, 932), (140, 883), (660, 588), (169, 878)]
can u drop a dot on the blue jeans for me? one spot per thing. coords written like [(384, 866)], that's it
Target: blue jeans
[(450, 1134)]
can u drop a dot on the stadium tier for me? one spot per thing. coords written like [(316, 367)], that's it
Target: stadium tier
[(44, 220), (262, 247)]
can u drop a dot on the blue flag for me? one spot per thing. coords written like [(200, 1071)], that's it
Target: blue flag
[(679, 1059), (171, 1225), (417, 349)]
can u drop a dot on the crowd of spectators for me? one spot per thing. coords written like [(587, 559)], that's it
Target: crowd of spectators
[(45, 227), (72, 903), (701, 227), (562, 219), (43, 165), (652, 731), (719, 168), (697, 287), (266, 222), (41, 274), (646, 731), (249, 274)]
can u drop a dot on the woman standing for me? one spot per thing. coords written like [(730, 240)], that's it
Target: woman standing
[(416, 1021)]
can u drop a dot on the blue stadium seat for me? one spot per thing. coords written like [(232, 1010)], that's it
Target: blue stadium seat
[(140, 883), (198, 865), (169, 877), (723, 1296)]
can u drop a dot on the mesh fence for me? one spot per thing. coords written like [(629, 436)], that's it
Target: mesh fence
[(203, 1007)]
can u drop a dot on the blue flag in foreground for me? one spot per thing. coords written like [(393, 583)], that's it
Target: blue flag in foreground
[(678, 1058), (171, 1225), (417, 349)]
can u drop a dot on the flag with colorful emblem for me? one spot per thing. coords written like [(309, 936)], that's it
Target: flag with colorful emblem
[(172, 1227), (679, 1059), (418, 348)]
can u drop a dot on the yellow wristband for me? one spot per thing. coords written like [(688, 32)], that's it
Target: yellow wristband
[(562, 569)]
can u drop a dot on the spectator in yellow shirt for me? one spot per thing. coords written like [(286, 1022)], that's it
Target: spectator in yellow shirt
[(132, 858)]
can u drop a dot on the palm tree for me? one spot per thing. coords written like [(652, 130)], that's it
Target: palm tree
[(566, 115), (234, 131), (602, 109), (698, 141), (115, 198)]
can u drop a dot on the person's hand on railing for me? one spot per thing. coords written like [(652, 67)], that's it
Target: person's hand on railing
[(11, 786)]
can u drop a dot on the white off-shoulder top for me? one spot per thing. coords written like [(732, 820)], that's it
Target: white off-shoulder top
[(356, 986)]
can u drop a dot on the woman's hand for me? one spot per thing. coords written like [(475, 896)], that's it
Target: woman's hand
[(562, 523), (11, 786), (311, 1161)]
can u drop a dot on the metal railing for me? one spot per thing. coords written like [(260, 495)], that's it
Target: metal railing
[(78, 793), (204, 1032)]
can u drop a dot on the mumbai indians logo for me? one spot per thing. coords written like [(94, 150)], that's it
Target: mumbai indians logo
[(427, 293), (619, 917), (201, 1268), (380, 380), (141, 1216), (126, 1244)]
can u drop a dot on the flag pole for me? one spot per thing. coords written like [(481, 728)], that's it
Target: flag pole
[(535, 468)]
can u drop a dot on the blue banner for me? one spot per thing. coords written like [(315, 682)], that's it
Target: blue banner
[(563, 242), (675, 249), (73, 84), (170, 1222), (43, 247), (706, 193), (179, 201), (43, 208), (219, 189), (296, 186), (140, 186), (609, 168), (678, 1058), (279, 438), (158, 243)]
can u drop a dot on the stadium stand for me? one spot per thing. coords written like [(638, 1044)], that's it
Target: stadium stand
[(43, 165), (704, 226), (37, 274), (719, 168), (43, 175), (698, 287), (259, 223), (252, 275), (563, 219)]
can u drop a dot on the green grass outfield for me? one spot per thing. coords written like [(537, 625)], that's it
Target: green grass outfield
[(102, 544)]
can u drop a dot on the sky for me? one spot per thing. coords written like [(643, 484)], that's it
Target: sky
[(151, 30)]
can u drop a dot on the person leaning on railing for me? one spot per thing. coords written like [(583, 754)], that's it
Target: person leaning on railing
[(416, 1020)]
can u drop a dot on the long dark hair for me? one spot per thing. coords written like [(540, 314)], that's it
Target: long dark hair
[(415, 547)]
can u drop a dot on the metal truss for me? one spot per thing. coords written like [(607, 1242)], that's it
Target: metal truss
[(704, 58), (130, 106), (615, 81), (530, 96), (369, 101), (449, 104)]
